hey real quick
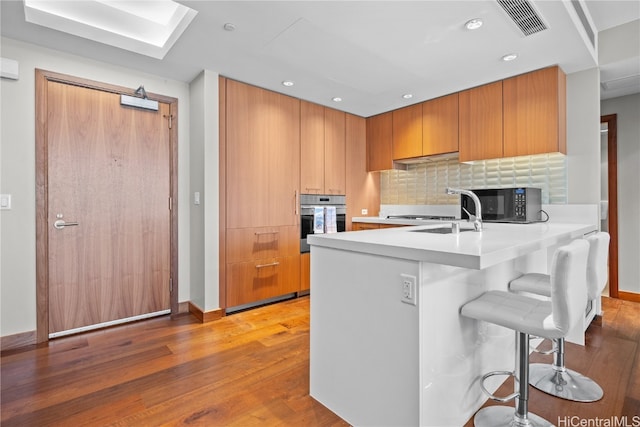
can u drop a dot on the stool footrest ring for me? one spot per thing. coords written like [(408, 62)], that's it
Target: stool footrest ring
[(553, 349), (493, 397)]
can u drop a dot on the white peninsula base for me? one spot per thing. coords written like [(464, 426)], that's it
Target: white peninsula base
[(379, 361)]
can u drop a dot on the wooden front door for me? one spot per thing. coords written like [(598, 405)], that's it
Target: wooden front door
[(108, 178)]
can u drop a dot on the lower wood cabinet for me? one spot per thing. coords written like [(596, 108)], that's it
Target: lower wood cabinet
[(305, 272), (262, 262), (245, 244), (256, 280), (357, 226)]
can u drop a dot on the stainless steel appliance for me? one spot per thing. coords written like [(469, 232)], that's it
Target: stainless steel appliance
[(519, 204), (308, 205), (423, 217)]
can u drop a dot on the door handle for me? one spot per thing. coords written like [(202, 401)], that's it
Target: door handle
[(60, 224)]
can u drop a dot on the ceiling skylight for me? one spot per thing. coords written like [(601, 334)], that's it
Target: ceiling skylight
[(148, 27)]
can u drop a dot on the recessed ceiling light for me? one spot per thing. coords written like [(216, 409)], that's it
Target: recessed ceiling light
[(287, 83), (510, 57), (473, 24), (407, 96), (229, 26), (337, 99), (149, 28)]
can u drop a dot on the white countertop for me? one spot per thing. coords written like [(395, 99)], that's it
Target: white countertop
[(495, 244)]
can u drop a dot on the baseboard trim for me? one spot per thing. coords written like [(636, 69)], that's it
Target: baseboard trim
[(183, 307), (205, 317), (629, 296), (11, 342)]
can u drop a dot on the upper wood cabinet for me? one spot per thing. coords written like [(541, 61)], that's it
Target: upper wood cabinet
[(480, 122), (380, 142), (262, 157), (311, 147), (407, 132), (440, 125), (322, 151), (535, 113), (335, 147)]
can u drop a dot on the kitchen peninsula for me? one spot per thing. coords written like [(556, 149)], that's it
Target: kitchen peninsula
[(388, 346)]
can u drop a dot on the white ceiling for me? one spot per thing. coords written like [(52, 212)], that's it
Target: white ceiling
[(369, 53)]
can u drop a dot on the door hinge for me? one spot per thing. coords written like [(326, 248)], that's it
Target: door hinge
[(170, 119), (170, 203), (170, 285)]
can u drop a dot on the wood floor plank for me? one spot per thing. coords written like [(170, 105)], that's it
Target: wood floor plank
[(249, 368)]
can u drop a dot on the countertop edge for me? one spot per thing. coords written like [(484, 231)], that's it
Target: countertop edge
[(375, 244)]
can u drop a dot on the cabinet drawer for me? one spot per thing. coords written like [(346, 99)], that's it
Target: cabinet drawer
[(261, 279), (245, 244)]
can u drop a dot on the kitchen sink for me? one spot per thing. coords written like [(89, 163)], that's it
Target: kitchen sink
[(439, 230)]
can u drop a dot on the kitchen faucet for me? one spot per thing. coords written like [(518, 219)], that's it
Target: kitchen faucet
[(477, 218)]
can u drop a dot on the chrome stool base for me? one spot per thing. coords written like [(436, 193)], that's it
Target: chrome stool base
[(567, 384), (499, 416)]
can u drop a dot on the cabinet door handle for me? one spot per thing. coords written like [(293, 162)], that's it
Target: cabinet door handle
[(272, 264), (261, 233), (295, 202)]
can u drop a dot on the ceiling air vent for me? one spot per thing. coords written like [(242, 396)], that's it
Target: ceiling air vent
[(524, 16), (585, 22)]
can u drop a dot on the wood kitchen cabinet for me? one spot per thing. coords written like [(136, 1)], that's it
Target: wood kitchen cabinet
[(535, 113), (322, 151), (305, 272), (407, 132), (440, 125), (335, 146), (262, 279), (480, 122), (358, 226), (261, 149), (380, 142), (262, 157)]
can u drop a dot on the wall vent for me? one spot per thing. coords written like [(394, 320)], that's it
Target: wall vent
[(524, 16)]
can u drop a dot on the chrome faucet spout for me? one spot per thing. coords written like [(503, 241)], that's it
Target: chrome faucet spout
[(477, 218)]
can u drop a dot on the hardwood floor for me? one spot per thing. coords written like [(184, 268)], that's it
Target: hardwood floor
[(250, 368)]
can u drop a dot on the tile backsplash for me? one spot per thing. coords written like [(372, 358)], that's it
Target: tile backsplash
[(425, 183)]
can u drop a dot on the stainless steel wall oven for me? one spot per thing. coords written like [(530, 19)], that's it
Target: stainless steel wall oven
[(311, 205)]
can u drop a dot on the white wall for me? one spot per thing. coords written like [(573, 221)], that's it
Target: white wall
[(583, 136), (17, 145), (627, 109), (205, 222)]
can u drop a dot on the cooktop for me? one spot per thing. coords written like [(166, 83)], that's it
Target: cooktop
[(423, 217)]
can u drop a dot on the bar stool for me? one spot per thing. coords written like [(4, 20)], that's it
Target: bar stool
[(555, 379), (530, 316)]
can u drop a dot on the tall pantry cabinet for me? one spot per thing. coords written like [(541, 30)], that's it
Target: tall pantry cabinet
[(262, 167)]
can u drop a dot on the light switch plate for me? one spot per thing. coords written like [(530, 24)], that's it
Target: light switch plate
[(5, 201)]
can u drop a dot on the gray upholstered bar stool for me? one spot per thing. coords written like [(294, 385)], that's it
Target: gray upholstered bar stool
[(531, 316), (555, 378)]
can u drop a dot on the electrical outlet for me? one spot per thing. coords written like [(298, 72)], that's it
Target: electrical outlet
[(364, 212), (409, 289)]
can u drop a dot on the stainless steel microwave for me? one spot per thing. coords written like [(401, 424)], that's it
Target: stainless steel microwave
[(519, 204)]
